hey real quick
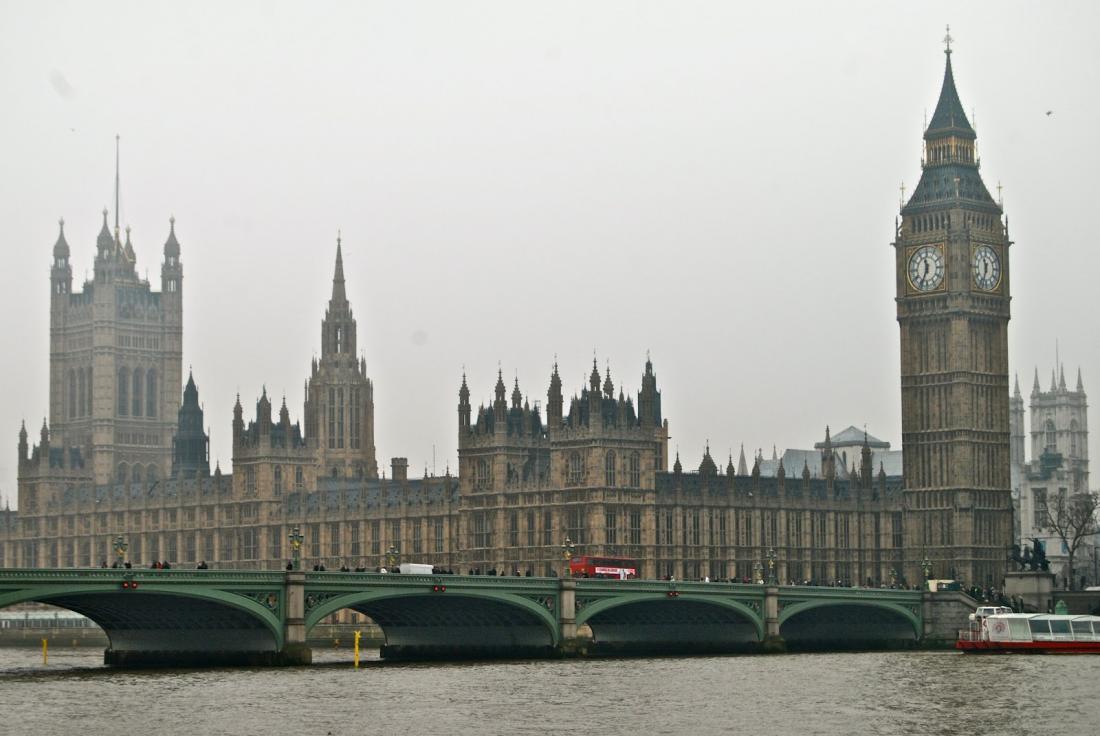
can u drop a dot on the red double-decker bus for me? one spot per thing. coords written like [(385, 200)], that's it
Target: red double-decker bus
[(617, 568)]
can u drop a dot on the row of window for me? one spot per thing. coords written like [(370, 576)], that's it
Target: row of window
[(334, 540), (137, 392), (344, 417)]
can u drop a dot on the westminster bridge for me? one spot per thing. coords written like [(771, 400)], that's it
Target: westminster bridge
[(183, 617)]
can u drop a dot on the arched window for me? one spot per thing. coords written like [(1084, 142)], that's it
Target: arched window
[(635, 470), (137, 473), (82, 399), (151, 474), (481, 477), (1073, 438), (137, 392), (339, 338), (278, 481), (88, 407), (123, 392), (122, 472), (72, 393), (609, 468), (151, 393), (299, 479), (576, 469), (1051, 440)]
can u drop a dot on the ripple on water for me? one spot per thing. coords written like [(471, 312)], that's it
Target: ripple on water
[(887, 694)]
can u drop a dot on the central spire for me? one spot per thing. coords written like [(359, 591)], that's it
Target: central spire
[(338, 292), (949, 117)]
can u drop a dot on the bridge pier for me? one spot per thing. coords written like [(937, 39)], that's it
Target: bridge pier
[(773, 642), (295, 650), (569, 644)]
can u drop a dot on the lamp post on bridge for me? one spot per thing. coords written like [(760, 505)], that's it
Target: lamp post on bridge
[(295, 548), (393, 557), (771, 565), (120, 549), (567, 549), (893, 577), (926, 569)]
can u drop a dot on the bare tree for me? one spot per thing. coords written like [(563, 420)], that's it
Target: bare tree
[(1072, 520)]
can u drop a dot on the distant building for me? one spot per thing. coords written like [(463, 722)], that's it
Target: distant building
[(1059, 460)]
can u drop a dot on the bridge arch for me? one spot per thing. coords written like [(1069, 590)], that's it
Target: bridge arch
[(846, 623), (654, 620), (422, 623), (164, 624)]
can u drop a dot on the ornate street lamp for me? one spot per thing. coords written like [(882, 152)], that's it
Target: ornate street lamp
[(771, 565), (393, 557), (120, 549), (757, 572), (296, 547), (567, 549), (926, 568), (893, 577)]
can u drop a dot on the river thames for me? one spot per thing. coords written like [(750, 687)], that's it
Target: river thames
[(865, 693)]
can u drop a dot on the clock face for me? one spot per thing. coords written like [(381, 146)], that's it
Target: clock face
[(926, 268), (987, 268)]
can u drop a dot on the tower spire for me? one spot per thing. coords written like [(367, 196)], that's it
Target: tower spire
[(338, 292)]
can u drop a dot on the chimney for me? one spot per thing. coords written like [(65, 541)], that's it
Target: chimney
[(400, 468)]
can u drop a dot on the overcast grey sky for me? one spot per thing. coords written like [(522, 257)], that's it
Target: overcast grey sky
[(713, 182)]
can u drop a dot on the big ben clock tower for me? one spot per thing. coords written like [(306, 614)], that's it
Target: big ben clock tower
[(953, 310)]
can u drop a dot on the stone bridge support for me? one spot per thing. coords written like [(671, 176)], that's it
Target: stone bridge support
[(295, 651), (773, 642)]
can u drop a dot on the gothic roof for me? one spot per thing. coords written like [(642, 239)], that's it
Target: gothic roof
[(61, 247), (171, 246), (938, 185), (854, 436), (949, 117)]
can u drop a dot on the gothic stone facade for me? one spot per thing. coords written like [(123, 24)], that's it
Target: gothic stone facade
[(595, 472)]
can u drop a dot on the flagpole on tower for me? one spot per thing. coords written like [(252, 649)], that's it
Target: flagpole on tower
[(116, 182)]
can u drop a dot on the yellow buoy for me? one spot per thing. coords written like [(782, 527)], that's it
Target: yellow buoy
[(357, 635)]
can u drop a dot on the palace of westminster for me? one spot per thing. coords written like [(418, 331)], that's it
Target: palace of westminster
[(122, 456)]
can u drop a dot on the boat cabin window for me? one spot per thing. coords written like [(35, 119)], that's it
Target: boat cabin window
[(1039, 626), (1059, 626), (1082, 628)]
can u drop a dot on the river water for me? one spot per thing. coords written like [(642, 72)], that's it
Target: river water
[(857, 693)]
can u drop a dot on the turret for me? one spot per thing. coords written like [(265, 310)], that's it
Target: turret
[(171, 271), (554, 400), (1017, 436), (23, 450), (500, 405), (61, 274), (517, 397), (238, 424), (338, 333), (828, 460), (866, 469), (649, 398), (708, 467), (463, 404), (263, 414)]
